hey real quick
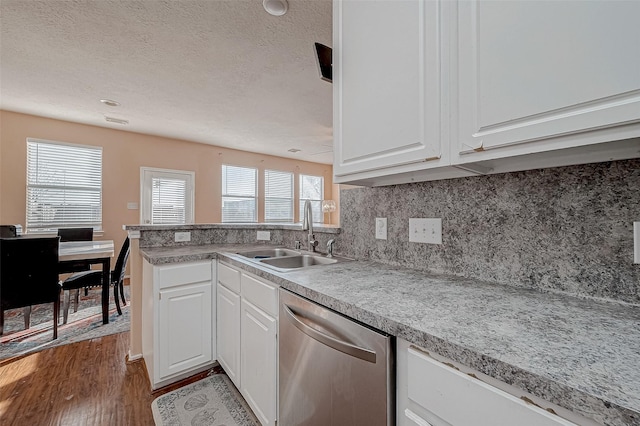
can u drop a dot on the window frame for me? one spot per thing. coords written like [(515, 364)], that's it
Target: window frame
[(52, 227), (223, 195), (147, 174), (301, 200), (292, 199)]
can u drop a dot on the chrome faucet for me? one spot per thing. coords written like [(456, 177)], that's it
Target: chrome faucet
[(307, 224)]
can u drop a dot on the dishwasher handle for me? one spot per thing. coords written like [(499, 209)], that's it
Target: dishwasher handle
[(340, 345)]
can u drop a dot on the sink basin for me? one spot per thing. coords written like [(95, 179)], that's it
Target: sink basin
[(300, 261), (269, 253), (283, 260)]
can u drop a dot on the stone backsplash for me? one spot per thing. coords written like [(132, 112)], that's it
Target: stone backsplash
[(567, 229), (201, 234)]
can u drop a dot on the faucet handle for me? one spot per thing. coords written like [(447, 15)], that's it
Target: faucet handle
[(330, 244), (313, 243), (297, 245)]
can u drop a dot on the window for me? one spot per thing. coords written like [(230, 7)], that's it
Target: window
[(64, 186), (278, 196), (167, 196), (239, 194), (312, 188)]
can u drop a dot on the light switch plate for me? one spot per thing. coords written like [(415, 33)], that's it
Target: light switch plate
[(381, 228), (264, 235), (427, 231), (181, 237), (636, 242)]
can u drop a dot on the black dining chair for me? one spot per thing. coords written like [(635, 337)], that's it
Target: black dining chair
[(76, 234), (93, 278), (29, 276), (8, 231)]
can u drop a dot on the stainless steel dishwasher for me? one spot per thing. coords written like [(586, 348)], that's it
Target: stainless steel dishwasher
[(333, 371)]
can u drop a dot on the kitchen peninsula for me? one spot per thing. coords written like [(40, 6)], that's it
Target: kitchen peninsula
[(581, 354)]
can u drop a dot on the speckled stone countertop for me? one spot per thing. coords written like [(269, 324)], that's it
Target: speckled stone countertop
[(329, 229), (580, 354)]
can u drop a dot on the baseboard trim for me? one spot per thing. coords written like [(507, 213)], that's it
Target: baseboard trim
[(133, 358)]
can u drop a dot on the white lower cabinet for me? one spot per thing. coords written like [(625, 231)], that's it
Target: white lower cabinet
[(228, 323), (439, 392), (247, 338), (177, 319), (258, 361)]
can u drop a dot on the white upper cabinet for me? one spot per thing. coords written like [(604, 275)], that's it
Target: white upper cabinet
[(387, 82), (536, 76), (427, 90)]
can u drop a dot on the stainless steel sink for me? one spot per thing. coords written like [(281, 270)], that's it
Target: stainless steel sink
[(283, 260), (269, 253), (301, 261)]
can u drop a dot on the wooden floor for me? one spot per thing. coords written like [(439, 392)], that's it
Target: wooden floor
[(84, 383)]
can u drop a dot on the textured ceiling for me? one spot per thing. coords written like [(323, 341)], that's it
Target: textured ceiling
[(219, 72)]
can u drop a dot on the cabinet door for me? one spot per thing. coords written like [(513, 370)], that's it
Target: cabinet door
[(228, 324), (258, 362), (386, 84), (536, 76), (184, 328)]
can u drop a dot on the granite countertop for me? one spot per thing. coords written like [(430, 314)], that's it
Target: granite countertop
[(321, 228), (580, 354)]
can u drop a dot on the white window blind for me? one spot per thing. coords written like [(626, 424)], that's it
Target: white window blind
[(64, 186), (278, 196), (168, 199), (312, 188), (239, 194), (167, 196)]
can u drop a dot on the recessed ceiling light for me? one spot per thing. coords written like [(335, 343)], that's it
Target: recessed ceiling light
[(275, 7), (116, 120), (294, 150), (110, 102)]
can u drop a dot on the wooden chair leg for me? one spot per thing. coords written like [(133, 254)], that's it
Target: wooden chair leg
[(65, 307), (76, 301), (116, 298), (124, 302), (56, 317), (27, 317)]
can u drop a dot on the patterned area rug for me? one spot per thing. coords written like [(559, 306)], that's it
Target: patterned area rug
[(82, 325), (213, 401)]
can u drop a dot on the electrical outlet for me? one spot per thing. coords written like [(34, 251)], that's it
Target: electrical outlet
[(427, 231), (636, 242), (181, 237), (264, 235), (381, 228)]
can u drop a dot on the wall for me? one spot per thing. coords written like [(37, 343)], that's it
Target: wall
[(123, 155), (566, 229)]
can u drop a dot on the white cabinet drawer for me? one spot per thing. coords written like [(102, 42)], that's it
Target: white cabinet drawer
[(183, 273), (455, 398), (229, 277), (261, 294)]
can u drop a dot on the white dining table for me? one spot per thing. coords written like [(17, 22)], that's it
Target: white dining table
[(92, 252)]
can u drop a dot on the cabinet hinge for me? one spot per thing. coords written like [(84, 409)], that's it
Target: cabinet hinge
[(159, 296)]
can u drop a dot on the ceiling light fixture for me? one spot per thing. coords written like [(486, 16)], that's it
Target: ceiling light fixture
[(110, 102), (293, 150), (275, 7), (116, 120)]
